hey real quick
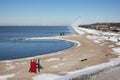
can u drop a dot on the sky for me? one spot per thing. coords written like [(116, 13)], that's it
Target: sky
[(58, 12)]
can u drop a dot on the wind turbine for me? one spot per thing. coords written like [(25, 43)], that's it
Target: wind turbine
[(76, 22)]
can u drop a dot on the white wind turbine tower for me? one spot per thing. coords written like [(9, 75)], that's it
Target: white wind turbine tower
[(76, 22)]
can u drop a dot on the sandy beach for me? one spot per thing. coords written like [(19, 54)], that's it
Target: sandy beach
[(59, 39), (62, 62)]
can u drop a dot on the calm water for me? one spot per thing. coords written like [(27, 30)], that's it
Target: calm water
[(10, 49)]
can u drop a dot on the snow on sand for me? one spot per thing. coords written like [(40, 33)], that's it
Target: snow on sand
[(53, 59), (98, 37), (5, 77), (46, 77), (93, 69)]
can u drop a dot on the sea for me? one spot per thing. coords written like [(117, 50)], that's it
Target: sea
[(16, 49)]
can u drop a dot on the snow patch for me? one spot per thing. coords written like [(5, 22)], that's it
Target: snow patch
[(111, 46), (9, 66), (6, 61), (118, 43), (99, 36), (5, 77), (117, 50), (96, 32), (53, 59), (46, 77), (56, 66)]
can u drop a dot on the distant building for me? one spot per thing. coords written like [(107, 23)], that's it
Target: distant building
[(115, 28), (102, 27)]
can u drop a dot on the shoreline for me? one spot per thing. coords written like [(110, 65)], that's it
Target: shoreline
[(64, 62), (76, 44)]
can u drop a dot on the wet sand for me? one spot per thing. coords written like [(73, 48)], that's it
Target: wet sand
[(63, 61)]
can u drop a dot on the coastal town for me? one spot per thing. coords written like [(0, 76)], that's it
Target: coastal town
[(115, 27)]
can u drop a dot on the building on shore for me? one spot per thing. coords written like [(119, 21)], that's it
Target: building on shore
[(104, 26)]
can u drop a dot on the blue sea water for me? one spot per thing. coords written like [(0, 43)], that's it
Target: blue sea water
[(10, 49)]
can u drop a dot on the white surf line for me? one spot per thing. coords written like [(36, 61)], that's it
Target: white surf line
[(77, 43), (54, 37)]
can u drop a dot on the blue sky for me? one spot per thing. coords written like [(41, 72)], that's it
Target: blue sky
[(58, 12)]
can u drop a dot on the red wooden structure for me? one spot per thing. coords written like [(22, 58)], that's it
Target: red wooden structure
[(32, 67)]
